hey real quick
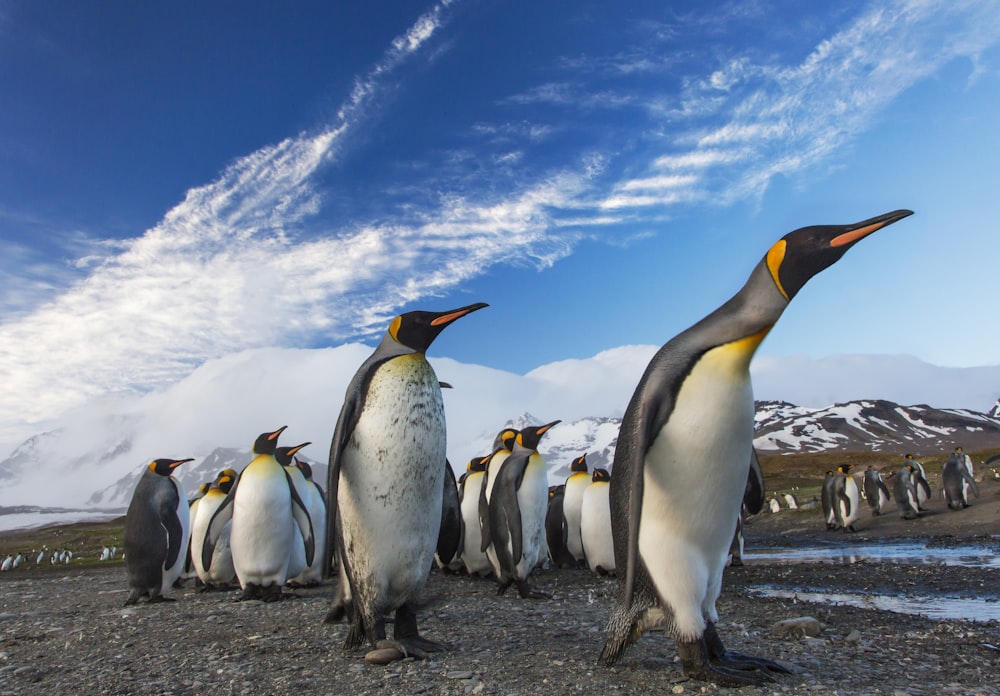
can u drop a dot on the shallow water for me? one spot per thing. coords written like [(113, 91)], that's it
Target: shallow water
[(931, 607), (898, 553)]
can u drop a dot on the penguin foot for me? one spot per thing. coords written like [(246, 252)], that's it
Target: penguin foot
[(527, 592), (156, 599), (387, 651), (695, 659)]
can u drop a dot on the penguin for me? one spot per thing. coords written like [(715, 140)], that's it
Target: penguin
[(753, 503), (595, 524), (920, 483), (299, 573), (576, 483), (905, 489), (791, 501), (473, 557), (222, 573), (503, 443), (957, 483), (556, 533), (156, 532), (446, 556), (8, 564), (316, 503), (385, 483), (774, 505), (845, 498), (189, 569), (517, 510), (966, 462), (681, 462), (827, 499), (262, 505), (875, 490)]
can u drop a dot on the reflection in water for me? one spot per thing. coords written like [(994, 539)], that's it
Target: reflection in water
[(904, 554), (931, 607)]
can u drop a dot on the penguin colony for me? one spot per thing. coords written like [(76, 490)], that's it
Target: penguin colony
[(666, 519)]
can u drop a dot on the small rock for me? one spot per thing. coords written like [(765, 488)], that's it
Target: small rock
[(799, 627), (458, 675), (853, 637), (678, 689)]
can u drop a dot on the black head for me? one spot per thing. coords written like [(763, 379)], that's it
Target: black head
[(165, 467), (305, 468), (417, 330), (225, 480), (504, 439), (801, 254), (478, 464), (600, 475), (284, 454), (579, 464), (845, 468), (267, 443), (531, 436)]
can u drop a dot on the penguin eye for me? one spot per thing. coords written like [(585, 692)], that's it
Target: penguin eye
[(775, 255)]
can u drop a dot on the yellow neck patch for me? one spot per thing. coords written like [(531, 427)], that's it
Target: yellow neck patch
[(775, 255), (394, 327)]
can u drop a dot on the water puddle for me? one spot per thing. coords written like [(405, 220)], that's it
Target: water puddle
[(931, 607), (902, 554)]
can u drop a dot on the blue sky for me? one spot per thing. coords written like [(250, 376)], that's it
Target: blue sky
[(181, 181)]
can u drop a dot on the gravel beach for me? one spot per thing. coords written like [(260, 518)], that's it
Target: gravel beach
[(66, 631)]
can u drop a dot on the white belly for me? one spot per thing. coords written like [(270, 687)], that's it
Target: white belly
[(171, 574), (532, 501), (262, 524), (572, 500), (221, 571), (475, 561), (595, 527), (391, 483), (694, 478)]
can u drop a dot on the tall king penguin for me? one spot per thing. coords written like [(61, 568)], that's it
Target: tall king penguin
[(157, 525), (684, 449), (385, 484)]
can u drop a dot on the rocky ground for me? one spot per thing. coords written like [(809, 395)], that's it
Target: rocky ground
[(66, 632)]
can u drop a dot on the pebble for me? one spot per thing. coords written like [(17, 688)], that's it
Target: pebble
[(799, 627)]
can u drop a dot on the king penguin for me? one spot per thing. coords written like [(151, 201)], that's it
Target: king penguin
[(595, 524), (826, 494), (517, 509), (684, 449), (473, 557), (446, 554), (957, 483), (387, 461), (876, 492), (845, 497), (157, 527), (576, 483), (189, 570), (262, 505), (222, 572), (503, 443), (316, 503), (297, 573), (555, 529), (905, 490)]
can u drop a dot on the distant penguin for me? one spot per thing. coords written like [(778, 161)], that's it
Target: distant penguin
[(920, 483), (156, 532), (966, 462), (791, 501), (385, 480), (875, 490), (262, 505), (957, 483), (846, 498), (446, 555), (681, 461), (556, 533), (595, 524), (905, 490), (473, 558), (503, 443), (773, 505), (222, 573), (298, 573), (576, 483), (517, 510), (316, 504), (827, 500), (8, 564)]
